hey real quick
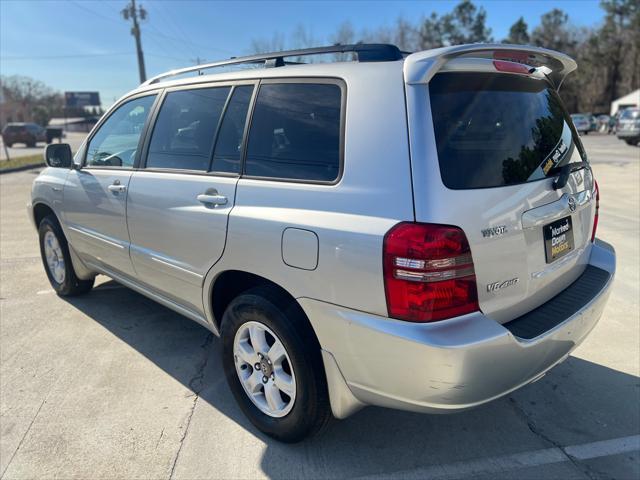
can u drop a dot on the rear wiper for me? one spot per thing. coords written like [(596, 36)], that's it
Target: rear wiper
[(564, 172)]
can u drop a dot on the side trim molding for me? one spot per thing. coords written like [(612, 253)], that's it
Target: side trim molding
[(164, 301)]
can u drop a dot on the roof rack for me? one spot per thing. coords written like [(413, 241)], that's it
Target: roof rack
[(365, 52)]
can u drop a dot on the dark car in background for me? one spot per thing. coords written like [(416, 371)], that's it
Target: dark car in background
[(28, 133)]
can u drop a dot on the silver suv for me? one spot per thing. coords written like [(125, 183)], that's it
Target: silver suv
[(414, 231)]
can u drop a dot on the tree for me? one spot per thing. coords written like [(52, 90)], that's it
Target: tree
[(345, 34), (554, 32), (38, 102), (619, 41), (518, 33), (430, 32), (465, 24)]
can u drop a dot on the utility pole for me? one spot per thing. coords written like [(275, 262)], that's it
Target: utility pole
[(132, 12)]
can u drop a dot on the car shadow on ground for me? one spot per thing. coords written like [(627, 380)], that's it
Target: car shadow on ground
[(577, 402)]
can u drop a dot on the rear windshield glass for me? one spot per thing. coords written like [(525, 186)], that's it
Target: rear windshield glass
[(495, 130), (630, 114)]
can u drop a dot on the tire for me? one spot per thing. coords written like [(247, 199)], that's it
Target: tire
[(62, 276), (306, 411)]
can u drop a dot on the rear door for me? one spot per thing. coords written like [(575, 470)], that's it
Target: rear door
[(494, 144), (179, 202)]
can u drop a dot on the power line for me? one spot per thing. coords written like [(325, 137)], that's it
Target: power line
[(79, 55), (155, 33), (84, 55)]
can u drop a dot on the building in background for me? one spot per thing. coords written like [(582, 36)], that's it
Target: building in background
[(630, 100), (74, 124)]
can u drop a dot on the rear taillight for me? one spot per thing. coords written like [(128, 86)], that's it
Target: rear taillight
[(428, 272), (512, 67), (595, 218)]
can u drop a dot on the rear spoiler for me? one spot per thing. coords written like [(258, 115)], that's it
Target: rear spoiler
[(420, 67)]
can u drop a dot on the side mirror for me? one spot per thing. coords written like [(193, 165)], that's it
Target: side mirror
[(58, 155)]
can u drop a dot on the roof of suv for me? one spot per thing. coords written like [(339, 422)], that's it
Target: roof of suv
[(417, 67)]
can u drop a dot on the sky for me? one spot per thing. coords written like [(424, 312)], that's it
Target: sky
[(80, 45)]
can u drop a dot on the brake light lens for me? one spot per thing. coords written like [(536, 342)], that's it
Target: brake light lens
[(428, 272), (595, 218), (512, 67)]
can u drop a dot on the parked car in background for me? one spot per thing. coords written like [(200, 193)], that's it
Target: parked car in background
[(629, 126), (593, 123), (28, 133), (408, 231), (582, 123), (603, 122)]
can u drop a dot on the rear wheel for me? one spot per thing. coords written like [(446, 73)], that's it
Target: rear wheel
[(273, 365), (56, 259)]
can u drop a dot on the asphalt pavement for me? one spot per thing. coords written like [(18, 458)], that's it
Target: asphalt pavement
[(112, 385)]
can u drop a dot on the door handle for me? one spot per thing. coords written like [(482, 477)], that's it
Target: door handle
[(212, 199), (115, 187)]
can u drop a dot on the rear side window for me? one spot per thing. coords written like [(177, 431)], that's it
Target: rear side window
[(495, 130), (185, 129), (228, 149), (295, 132)]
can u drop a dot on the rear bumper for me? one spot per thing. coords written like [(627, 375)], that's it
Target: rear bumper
[(446, 366), (635, 133)]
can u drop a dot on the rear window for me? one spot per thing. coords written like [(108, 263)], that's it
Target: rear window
[(295, 132), (630, 114), (13, 129), (495, 130), (186, 127)]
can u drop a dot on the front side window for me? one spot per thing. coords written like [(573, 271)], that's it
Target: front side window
[(494, 130), (116, 142), (186, 128), (295, 132)]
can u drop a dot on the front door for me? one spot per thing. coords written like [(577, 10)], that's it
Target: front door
[(179, 203), (95, 195)]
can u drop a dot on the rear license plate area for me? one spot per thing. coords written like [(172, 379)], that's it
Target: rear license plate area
[(558, 239)]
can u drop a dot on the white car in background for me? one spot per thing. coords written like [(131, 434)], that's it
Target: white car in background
[(629, 126)]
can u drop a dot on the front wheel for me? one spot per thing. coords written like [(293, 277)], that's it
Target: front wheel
[(273, 365), (56, 259)]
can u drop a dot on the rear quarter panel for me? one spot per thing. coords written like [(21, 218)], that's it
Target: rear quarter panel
[(349, 218)]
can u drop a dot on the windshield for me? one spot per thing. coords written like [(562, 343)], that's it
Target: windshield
[(630, 114), (495, 130)]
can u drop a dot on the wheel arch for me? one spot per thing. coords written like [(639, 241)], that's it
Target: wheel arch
[(42, 210), (228, 284)]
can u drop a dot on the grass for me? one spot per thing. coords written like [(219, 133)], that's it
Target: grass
[(21, 161)]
